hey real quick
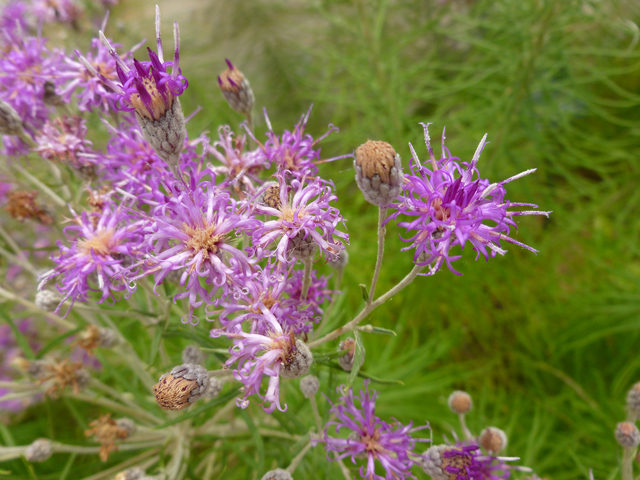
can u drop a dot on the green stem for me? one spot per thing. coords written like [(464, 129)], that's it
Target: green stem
[(382, 214), (298, 458)]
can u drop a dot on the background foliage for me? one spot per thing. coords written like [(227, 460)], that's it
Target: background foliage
[(548, 344)]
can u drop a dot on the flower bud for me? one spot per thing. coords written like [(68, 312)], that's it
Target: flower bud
[(627, 435), (309, 385), (47, 300), (303, 248), (192, 354), (378, 172), (50, 97), (346, 361), (633, 400), (39, 451), (339, 261), (215, 387), (10, 121), (166, 134), (432, 462), (460, 402), (297, 362), (236, 90), (93, 337), (493, 440), (277, 474), (181, 387), (135, 473), (127, 425)]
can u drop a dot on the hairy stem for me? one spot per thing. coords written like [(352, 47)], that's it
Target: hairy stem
[(306, 282), (382, 214)]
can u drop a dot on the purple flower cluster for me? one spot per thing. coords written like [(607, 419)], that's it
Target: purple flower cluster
[(386, 446), (449, 205)]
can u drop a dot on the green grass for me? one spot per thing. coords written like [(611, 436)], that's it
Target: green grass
[(546, 344)]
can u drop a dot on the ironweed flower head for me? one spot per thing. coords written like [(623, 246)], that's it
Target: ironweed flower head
[(388, 445), (236, 89), (449, 204), (64, 139)]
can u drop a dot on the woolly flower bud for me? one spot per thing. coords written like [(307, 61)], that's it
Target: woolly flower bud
[(627, 435), (215, 387), (126, 424), (47, 300), (493, 440), (297, 362), (633, 400), (181, 387), (50, 96), (192, 354), (378, 172), (460, 402), (277, 474), (39, 451), (303, 248), (166, 134), (432, 462), (236, 89), (339, 261), (346, 361), (309, 385), (135, 473), (10, 121)]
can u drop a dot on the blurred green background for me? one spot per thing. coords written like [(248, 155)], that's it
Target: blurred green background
[(547, 345)]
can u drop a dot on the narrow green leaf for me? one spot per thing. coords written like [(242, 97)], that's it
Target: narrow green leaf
[(257, 438), (67, 467), (56, 341), (155, 344), (361, 374), (365, 292), (358, 358), (20, 338)]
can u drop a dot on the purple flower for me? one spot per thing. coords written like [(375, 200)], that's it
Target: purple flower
[(303, 221), (451, 204), (310, 310), (148, 88), (275, 346), (103, 246), (193, 232), (294, 151), (13, 23), (66, 11), (63, 139), (239, 168), (390, 445)]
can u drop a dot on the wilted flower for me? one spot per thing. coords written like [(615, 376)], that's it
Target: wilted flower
[(64, 139)]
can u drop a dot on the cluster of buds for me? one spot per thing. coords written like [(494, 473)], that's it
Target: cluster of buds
[(181, 387)]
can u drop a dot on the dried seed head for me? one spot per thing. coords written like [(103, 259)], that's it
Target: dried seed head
[(10, 121), (339, 261), (39, 451), (127, 425), (22, 206), (346, 361), (493, 440), (215, 387), (181, 387), (192, 354), (277, 474), (236, 89), (48, 300), (166, 135), (460, 402), (309, 385), (106, 431), (34, 368), (378, 172), (93, 337), (633, 400), (297, 362), (302, 248), (270, 195), (59, 375), (627, 435), (135, 473)]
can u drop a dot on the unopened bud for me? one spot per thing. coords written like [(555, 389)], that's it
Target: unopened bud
[(215, 387), (339, 261), (627, 435), (433, 463), (47, 300), (297, 362), (135, 473), (303, 248), (39, 451), (378, 172), (493, 440), (192, 354), (236, 89), (10, 121), (181, 387), (127, 425), (346, 361), (93, 337), (277, 474), (166, 134), (50, 97), (309, 385), (633, 400), (460, 402)]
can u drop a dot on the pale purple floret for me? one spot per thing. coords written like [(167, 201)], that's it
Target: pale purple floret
[(240, 168), (102, 247), (64, 139), (148, 88), (65, 11), (310, 310), (275, 347), (13, 22), (294, 151), (193, 232), (303, 215), (451, 204), (388, 445)]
